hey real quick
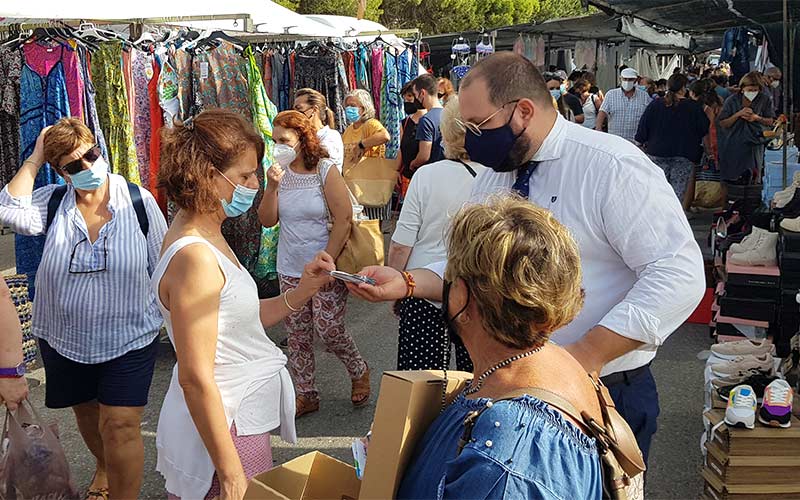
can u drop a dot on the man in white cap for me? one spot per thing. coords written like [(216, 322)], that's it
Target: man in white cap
[(623, 107)]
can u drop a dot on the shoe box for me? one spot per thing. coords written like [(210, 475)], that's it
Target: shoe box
[(751, 293), (759, 463), (746, 198), (789, 241), (788, 321)]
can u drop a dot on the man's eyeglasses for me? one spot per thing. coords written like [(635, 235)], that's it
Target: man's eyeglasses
[(475, 129), (76, 166), (75, 268)]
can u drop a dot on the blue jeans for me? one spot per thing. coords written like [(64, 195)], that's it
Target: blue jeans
[(637, 402)]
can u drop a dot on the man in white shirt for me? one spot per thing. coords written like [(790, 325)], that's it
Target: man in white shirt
[(642, 268), (623, 107)]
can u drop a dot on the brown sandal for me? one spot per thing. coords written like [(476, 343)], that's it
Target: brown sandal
[(304, 406), (100, 494), (361, 390)]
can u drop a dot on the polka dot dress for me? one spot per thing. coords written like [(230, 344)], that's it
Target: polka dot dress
[(423, 339)]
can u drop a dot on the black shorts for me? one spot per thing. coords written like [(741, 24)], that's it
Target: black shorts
[(123, 381)]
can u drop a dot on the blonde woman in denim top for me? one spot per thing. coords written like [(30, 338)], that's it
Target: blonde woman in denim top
[(513, 277)]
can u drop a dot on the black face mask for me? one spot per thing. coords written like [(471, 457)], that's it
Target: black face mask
[(451, 329), (410, 107), (441, 95), (499, 148)]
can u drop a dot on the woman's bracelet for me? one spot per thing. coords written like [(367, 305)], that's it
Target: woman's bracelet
[(410, 284), (31, 162), (286, 301)]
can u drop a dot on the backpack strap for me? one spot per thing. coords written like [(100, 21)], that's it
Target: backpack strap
[(469, 169), (56, 197), (138, 207)]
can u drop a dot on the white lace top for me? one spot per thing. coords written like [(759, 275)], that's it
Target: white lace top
[(304, 223)]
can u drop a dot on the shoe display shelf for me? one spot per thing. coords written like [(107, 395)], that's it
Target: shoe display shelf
[(747, 299), (759, 463)]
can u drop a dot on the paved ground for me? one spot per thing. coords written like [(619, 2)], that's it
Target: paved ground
[(674, 461)]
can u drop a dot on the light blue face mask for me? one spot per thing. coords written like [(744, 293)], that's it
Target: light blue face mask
[(352, 114), (643, 88), (556, 93), (93, 178), (563, 88), (241, 201)]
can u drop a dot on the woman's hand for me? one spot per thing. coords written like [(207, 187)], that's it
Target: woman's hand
[(37, 156), (274, 175), (13, 391), (391, 285), (316, 274), (234, 487)]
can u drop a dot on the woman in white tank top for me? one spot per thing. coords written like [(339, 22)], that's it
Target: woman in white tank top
[(230, 386)]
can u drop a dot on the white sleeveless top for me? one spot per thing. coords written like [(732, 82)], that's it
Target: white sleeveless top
[(250, 372), (304, 221), (590, 112)]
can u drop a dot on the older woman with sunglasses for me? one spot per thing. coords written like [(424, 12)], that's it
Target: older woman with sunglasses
[(94, 312)]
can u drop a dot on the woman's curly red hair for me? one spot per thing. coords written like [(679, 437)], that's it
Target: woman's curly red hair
[(311, 149)]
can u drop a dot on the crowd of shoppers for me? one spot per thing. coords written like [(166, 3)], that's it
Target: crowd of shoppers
[(112, 273)]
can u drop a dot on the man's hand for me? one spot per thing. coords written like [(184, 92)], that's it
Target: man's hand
[(13, 391)]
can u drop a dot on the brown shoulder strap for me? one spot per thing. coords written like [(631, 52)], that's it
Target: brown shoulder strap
[(548, 397)]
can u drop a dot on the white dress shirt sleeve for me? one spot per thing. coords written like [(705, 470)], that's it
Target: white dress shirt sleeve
[(410, 219), (26, 215), (645, 224)]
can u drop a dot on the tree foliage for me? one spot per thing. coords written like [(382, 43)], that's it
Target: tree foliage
[(444, 16)]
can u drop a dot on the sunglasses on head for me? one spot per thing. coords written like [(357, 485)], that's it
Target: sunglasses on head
[(76, 166)]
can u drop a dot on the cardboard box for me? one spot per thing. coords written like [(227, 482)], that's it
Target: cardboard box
[(408, 403), (313, 476)]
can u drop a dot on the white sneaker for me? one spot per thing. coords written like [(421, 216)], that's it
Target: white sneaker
[(763, 254), (732, 350), (741, 411), (741, 364), (750, 241), (782, 198), (792, 225)]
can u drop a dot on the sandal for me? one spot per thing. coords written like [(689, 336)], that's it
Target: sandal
[(305, 405), (359, 395), (100, 493)]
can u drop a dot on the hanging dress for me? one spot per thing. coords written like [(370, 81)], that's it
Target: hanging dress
[(264, 111), (141, 73), (10, 69), (391, 103), (43, 101), (112, 108), (377, 78), (90, 102)]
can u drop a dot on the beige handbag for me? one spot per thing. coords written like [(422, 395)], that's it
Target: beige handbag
[(620, 456), (364, 247), (371, 180)]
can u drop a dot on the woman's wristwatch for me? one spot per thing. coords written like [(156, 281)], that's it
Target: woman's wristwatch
[(16, 372), (361, 145)]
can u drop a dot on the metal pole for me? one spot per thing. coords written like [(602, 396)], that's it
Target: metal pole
[(785, 86)]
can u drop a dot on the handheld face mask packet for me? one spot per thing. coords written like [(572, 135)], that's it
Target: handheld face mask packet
[(93, 178), (284, 155), (241, 201), (352, 114)]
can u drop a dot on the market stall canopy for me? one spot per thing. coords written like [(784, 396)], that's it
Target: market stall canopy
[(352, 28), (701, 15), (563, 33), (266, 16)]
